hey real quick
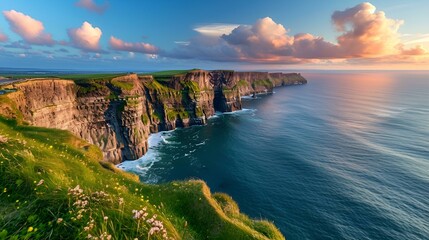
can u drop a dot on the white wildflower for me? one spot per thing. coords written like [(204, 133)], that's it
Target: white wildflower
[(40, 182)]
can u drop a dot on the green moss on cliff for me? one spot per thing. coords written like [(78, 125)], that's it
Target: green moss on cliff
[(160, 88), (52, 185), (173, 114), (242, 83), (145, 119), (88, 87), (199, 112), (265, 83), (122, 85)]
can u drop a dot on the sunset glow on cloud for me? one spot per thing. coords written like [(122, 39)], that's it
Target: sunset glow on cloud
[(118, 44), (3, 37), (364, 33), (31, 30), (360, 34)]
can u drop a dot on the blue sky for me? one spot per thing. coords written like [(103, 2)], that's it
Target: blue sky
[(179, 34)]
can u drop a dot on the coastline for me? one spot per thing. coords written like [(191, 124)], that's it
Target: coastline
[(142, 165)]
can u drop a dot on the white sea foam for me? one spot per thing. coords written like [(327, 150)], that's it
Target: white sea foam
[(247, 97), (240, 112), (142, 165)]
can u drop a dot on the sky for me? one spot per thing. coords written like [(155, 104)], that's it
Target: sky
[(140, 35)]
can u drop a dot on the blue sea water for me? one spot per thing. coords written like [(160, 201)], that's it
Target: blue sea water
[(344, 157)]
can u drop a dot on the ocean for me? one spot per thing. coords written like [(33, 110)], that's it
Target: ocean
[(344, 157)]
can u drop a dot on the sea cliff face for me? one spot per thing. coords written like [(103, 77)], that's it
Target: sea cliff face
[(118, 115)]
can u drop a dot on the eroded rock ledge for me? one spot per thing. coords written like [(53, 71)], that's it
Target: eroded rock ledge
[(118, 115)]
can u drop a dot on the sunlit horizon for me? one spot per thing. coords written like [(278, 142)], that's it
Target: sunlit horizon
[(113, 36)]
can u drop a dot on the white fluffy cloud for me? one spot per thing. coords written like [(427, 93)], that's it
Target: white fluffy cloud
[(86, 37), (30, 29), (141, 47)]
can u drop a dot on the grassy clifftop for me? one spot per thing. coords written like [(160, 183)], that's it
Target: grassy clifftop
[(53, 186)]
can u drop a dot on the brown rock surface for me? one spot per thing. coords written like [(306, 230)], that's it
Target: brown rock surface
[(120, 119)]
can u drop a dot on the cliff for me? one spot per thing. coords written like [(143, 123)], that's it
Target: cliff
[(54, 186), (118, 114)]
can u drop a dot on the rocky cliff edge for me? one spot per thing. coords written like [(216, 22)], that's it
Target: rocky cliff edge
[(118, 114)]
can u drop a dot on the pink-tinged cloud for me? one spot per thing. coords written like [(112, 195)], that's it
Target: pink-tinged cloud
[(363, 33), (92, 6), (417, 50), (141, 47), (30, 29), (308, 46), (86, 37), (265, 39), (3, 37)]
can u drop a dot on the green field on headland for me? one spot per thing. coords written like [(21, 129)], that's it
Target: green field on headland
[(54, 185)]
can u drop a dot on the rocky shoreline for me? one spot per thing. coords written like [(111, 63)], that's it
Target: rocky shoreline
[(119, 115)]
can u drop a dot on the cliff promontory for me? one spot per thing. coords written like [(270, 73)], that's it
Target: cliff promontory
[(118, 114)]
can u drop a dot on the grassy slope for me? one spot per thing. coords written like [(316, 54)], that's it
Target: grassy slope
[(31, 208), (165, 76)]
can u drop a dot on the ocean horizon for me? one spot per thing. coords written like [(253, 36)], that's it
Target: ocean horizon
[(343, 157)]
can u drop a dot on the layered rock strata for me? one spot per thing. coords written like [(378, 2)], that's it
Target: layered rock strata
[(119, 114)]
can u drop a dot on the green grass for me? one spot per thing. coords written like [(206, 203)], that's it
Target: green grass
[(91, 77), (160, 88), (122, 85), (165, 76), (172, 114), (27, 76), (77, 77), (170, 72), (39, 166), (89, 83), (266, 83)]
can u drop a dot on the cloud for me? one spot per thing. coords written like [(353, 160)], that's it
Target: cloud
[(417, 50), (31, 30), (62, 50), (216, 29), (18, 44), (3, 37), (362, 33), (263, 40), (205, 47), (141, 47), (365, 32), (183, 43), (409, 39), (308, 46), (86, 37), (92, 6)]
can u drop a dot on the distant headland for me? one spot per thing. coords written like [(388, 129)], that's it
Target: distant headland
[(117, 112)]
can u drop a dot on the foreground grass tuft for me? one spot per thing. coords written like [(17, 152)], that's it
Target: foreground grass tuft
[(53, 186)]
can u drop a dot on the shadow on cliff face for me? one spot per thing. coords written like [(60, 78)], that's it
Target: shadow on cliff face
[(114, 118), (218, 79)]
